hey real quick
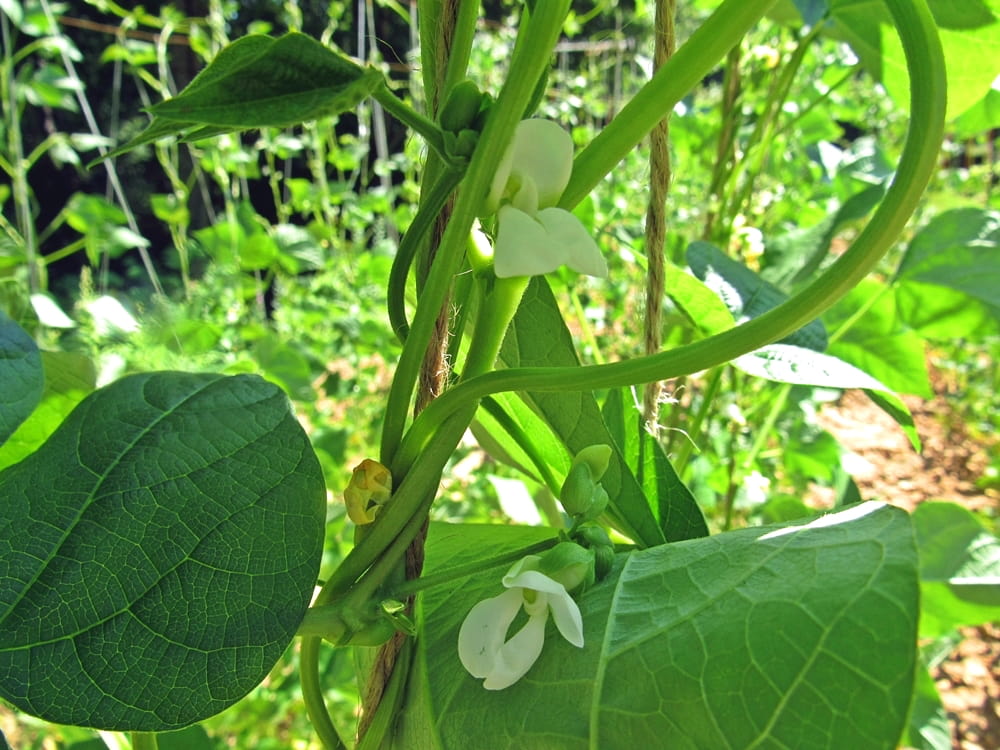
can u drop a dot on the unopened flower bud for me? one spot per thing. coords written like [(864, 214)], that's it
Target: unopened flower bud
[(369, 489), (569, 564), (597, 457), (582, 494), (596, 539), (462, 107)]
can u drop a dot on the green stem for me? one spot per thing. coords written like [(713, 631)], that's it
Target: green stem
[(672, 81), (402, 515), (428, 129), (312, 695), (496, 310), (415, 234), (777, 403), (531, 55), (452, 575), (65, 252), (918, 163), (143, 740)]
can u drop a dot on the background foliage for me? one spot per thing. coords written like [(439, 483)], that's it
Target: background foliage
[(268, 252)]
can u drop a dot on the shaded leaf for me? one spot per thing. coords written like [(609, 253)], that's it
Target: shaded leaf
[(21, 374), (158, 552), (958, 250), (745, 293), (959, 569)]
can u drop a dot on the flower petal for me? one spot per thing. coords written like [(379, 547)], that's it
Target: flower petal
[(543, 152), (523, 246), (518, 654), (533, 579), (484, 630), (566, 613), (578, 247), (499, 185)]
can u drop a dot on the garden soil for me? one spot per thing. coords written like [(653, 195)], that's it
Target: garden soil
[(887, 468)]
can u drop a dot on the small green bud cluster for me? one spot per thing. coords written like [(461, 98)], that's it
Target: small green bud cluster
[(596, 539), (581, 494), (462, 117)]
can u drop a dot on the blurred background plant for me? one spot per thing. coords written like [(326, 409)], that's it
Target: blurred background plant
[(269, 252)]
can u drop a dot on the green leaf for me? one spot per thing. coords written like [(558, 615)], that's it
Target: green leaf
[(783, 363), (927, 728), (970, 38), (958, 250), (878, 343), (22, 376), (538, 337), (698, 302), (68, 378), (496, 441), (745, 293), (796, 636), (158, 552), (259, 81), (982, 116), (959, 569), (669, 499)]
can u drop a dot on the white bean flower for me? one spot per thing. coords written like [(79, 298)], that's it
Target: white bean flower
[(483, 646), (533, 236)]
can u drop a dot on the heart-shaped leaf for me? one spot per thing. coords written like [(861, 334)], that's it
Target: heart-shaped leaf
[(157, 553), (798, 636)]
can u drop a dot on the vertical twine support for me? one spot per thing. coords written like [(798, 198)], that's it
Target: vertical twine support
[(432, 379), (659, 184)]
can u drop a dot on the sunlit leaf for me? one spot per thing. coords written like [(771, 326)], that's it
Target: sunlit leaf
[(792, 636)]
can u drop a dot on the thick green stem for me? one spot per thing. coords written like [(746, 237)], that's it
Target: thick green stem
[(531, 55), (415, 234), (144, 741), (925, 63), (671, 82)]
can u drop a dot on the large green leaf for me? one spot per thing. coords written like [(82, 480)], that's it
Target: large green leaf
[(538, 337), (878, 342), (959, 569), (970, 37), (259, 81), (21, 374), (157, 552), (799, 636), (958, 250)]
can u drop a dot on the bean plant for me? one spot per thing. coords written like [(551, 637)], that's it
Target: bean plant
[(164, 546)]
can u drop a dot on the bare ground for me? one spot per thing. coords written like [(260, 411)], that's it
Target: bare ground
[(887, 468)]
